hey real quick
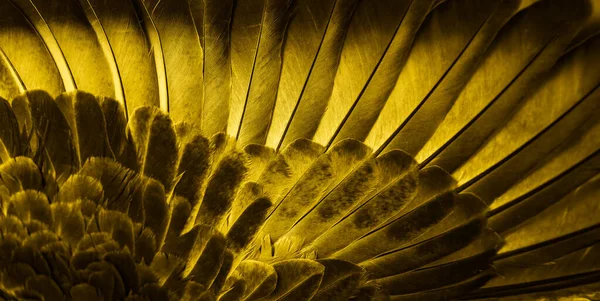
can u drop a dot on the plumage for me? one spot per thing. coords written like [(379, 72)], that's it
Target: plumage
[(129, 48), (339, 280), (66, 27), (217, 65), (41, 70), (261, 278), (298, 149), (300, 103), (259, 100), (173, 33)]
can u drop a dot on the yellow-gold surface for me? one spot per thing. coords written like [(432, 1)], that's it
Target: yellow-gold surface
[(299, 150)]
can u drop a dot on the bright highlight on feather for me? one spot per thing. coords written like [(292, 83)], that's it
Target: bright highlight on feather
[(299, 149)]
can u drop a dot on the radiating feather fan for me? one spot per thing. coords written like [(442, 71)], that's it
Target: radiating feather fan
[(299, 149)]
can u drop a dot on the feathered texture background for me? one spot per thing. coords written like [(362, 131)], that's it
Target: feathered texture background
[(299, 149)]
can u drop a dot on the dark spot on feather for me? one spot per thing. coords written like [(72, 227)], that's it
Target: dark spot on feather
[(219, 140), (256, 150), (222, 188), (194, 167), (279, 166), (363, 219), (288, 211), (328, 211)]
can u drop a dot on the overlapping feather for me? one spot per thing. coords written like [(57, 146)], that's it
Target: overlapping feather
[(423, 113)]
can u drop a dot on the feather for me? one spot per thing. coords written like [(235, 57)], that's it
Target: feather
[(217, 65), (45, 66), (124, 264), (323, 175), (286, 167), (442, 274), (166, 266), (221, 189), (370, 31), (20, 174), (490, 96), (156, 210), (195, 291), (84, 291), (92, 70), (561, 116), (576, 268), (182, 58), (79, 187), (12, 85), (260, 98), (179, 216), (116, 124), (574, 162), (30, 205), (399, 232), (87, 123), (9, 132), (154, 137), (433, 87), (376, 210), (566, 225), (68, 222), (228, 199), (183, 245), (107, 280), (161, 152), (297, 279), (243, 230), (364, 111), (158, 293), (206, 269), (422, 253), (449, 292), (130, 49), (340, 280), (118, 182), (333, 205), (245, 31), (235, 290), (258, 158), (145, 246), (307, 78), (39, 115), (118, 225), (45, 286), (261, 278), (544, 195), (466, 206), (194, 166), (223, 272)]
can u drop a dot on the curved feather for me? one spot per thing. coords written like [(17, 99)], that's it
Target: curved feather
[(92, 70), (45, 66)]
